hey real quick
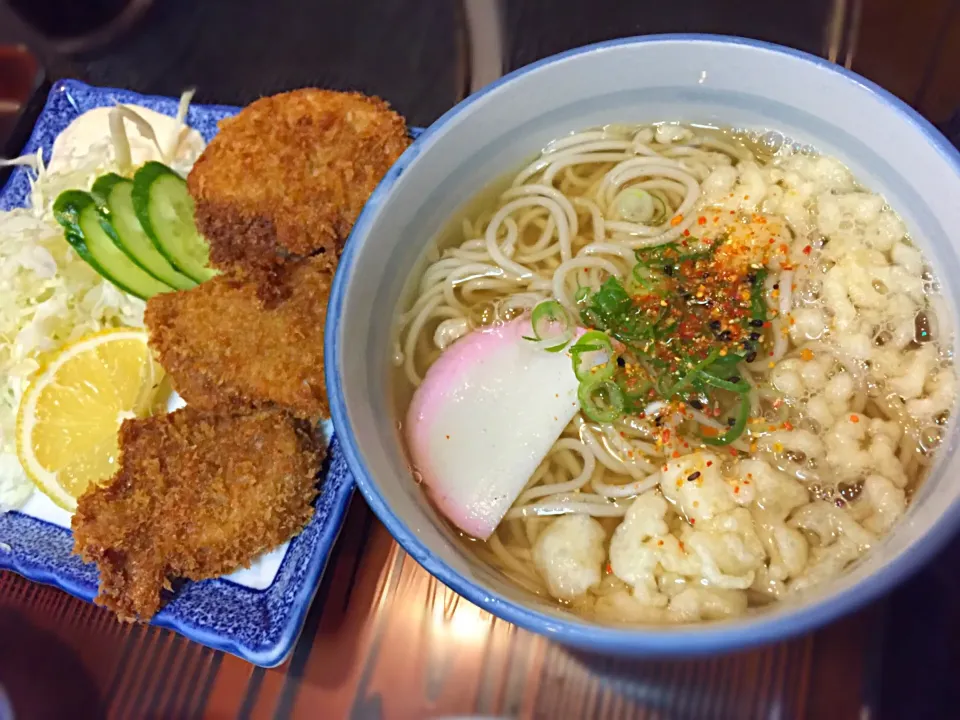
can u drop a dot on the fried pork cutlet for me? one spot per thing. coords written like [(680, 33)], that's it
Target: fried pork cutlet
[(288, 176), (197, 495), (221, 346)]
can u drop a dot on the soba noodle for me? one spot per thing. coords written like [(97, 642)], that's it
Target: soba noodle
[(849, 388)]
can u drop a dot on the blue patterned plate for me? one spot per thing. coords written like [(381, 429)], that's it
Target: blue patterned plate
[(256, 615)]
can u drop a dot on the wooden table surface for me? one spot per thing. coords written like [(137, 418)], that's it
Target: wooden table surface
[(383, 639)]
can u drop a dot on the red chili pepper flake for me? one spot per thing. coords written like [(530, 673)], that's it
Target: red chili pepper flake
[(448, 437), (693, 521), (701, 220), (676, 454), (660, 543), (854, 419), (807, 250), (609, 568), (686, 233), (709, 463)]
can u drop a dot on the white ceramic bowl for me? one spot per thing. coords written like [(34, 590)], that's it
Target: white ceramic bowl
[(704, 79)]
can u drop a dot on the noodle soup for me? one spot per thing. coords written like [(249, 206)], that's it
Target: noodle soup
[(667, 373)]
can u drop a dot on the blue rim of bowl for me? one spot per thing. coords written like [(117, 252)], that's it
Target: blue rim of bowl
[(673, 640)]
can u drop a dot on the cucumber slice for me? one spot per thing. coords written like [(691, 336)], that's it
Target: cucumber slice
[(77, 212), (116, 210), (165, 210)]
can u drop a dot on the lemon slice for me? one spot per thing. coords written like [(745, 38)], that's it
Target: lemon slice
[(70, 413)]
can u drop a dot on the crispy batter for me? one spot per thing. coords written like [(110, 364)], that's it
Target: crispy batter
[(288, 176), (197, 495), (223, 347)]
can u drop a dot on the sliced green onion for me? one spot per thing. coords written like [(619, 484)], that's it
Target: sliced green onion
[(592, 340), (685, 382), (612, 300), (601, 401), (725, 366), (758, 305), (582, 293), (645, 277), (593, 357), (552, 326), (634, 205), (663, 255), (738, 427), (738, 387), (635, 399), (652, 256)]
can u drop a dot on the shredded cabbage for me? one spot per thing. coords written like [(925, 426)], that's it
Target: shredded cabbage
[(50, 296)]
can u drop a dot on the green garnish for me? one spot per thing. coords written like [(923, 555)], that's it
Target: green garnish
[(601, 401), (552, 326), (738, 426), (612, 309), (582, 351), (758, 305), (683, 320), (694, 372), (737, 386)]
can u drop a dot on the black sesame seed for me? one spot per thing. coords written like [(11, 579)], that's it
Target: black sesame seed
[(733, 379), (776, 286), (725, 336), (693, 476), (751, 357), (715, 324), (731, 421), (756, 323), (751, 278), (695, 404), (754, 336), (668, 270), (621, 362)]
